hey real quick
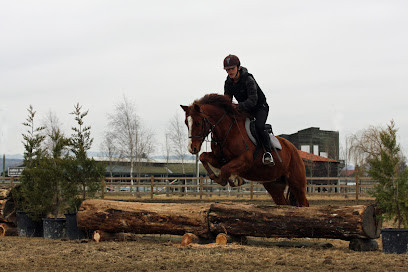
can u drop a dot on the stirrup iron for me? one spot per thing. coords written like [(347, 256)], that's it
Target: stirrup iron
[(269, 160)]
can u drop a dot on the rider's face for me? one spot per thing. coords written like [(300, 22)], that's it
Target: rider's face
[(232, 71)]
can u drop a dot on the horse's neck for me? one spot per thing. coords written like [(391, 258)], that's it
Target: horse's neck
[(223, 124), (213, 113)]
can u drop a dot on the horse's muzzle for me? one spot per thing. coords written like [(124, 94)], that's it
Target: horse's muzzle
[(193, 149)]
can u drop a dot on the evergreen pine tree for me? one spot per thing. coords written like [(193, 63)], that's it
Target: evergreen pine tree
[(84, 171), (387, 168)]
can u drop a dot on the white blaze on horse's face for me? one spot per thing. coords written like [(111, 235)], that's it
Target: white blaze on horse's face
[(190, 129)]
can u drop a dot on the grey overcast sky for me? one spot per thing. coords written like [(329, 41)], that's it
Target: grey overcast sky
[(337, 65)]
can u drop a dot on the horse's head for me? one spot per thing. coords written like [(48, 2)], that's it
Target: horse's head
[(204, 115), (197, 126)]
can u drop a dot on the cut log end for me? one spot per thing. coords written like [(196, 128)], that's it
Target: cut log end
[(7, 229), (221, 239), (371, 222), (188, 239), (2, 231), (96, 237), (99, 235)]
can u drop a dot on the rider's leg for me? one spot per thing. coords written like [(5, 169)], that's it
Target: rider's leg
[(261, 116)]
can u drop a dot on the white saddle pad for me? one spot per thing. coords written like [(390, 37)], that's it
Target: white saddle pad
[(274, 141)]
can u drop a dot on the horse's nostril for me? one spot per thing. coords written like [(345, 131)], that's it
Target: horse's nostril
[(195, 150)]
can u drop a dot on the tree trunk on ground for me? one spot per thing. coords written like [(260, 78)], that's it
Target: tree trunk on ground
[(234, 219), (146, 218), (344, 223)]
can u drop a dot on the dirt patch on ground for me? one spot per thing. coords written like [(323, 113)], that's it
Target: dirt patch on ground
[(161, 253)]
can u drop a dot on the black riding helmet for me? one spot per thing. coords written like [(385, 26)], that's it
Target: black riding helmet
[(231, 61)]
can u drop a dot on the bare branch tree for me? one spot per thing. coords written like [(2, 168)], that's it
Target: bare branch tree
[(178, 138), (109, 150), (364, 145), (55, 143), (130, 138)]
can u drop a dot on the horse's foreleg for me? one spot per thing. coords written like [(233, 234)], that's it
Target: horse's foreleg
[(231, 171), (212, 165)]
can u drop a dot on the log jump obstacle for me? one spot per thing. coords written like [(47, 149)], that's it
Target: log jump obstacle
[(358, 224)]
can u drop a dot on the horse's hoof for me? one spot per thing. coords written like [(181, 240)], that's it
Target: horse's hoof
[(235, 181), (239, 181)]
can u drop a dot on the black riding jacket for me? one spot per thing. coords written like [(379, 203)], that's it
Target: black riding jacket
[(246, 91)]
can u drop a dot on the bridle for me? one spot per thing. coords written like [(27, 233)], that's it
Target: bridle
[(207, 125)]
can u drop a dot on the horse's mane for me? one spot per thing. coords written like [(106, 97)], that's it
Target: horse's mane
[(222, 101)]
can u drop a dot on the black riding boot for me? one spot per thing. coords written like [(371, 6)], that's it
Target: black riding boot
[(267, 156)]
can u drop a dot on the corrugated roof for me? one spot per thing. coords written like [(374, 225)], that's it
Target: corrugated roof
[(312, 157)]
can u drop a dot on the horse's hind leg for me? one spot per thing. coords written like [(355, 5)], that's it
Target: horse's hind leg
[(277, 190), (297, 189), (291, 198)]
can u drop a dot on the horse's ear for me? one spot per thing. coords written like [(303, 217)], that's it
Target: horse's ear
[(184, 107), (197, 108)]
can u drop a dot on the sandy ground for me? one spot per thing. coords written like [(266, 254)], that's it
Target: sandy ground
[(164, 253), (154, 253)]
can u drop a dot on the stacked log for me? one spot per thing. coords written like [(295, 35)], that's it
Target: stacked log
[(234, 219), (7, 208)]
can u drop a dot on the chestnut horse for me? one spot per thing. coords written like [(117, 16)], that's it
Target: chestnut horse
[(232, 156)]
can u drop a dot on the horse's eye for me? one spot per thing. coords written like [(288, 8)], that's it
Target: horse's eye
[(197, 123)]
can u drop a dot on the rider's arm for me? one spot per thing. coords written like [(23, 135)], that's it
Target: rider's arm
[(251, 89), (228, 92)]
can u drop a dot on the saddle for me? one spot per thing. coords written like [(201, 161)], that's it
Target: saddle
[(251, 131)]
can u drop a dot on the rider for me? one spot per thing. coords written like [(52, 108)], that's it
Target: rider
[(242, 85)]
